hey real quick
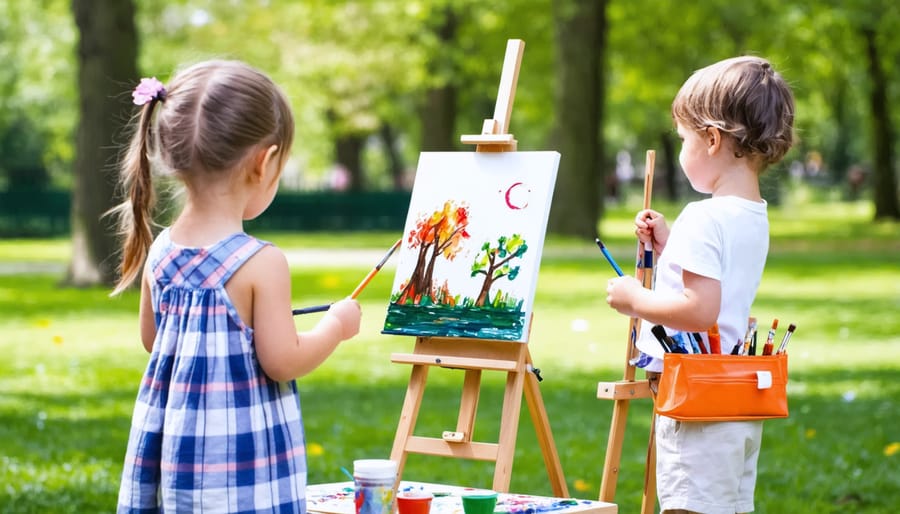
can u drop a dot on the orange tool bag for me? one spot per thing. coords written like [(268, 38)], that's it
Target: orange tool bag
[(716, 387)]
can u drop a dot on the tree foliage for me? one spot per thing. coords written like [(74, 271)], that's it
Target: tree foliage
[(365, 69)]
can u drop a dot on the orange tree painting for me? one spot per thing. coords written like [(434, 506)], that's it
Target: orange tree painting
[(440, 234)]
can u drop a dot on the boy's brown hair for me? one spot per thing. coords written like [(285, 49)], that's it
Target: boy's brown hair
[(745, 98)]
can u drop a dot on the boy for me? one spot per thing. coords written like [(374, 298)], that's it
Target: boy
[(734, 117)]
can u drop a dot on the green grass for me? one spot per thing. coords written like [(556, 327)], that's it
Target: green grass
[(72, 361)]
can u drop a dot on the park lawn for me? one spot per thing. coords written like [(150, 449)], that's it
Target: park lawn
[(72, 361)]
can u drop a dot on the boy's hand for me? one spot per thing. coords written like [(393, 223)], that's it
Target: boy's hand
[(348, 313), (621, 294), (651, 227)]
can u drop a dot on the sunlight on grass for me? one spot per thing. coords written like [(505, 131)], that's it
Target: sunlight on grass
[(31, 250), (73, 359)]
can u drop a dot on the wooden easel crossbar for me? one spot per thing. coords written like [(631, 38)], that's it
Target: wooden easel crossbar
[(475, 356)]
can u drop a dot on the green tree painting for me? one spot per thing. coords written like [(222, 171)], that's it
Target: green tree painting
[(495, 262)]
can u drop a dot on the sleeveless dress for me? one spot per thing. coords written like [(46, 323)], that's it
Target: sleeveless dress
[(210, 431)]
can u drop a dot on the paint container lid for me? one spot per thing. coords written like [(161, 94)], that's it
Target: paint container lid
[(479, 493), (375, 468), (415, 494)]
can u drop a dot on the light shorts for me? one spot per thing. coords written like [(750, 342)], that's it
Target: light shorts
[(707, 467)]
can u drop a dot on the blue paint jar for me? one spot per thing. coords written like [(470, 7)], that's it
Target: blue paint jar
[(373, 481)]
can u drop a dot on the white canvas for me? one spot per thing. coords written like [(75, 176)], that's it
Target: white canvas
[(497, 199)]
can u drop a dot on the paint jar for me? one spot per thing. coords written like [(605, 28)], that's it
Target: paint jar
[(373, 481), (414, 502), (479, 502)]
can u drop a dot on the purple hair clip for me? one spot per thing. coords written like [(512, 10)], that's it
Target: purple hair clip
[(147, 90)]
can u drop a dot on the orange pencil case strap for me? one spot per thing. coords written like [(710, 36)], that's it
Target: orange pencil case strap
[(716, 387)]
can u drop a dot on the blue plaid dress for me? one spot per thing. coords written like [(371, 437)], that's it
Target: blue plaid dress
[(210, 432)]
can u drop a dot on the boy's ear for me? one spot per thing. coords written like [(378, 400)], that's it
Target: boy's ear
[(713, 140)]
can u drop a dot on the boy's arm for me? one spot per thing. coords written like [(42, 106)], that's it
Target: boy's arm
[(695, 309)]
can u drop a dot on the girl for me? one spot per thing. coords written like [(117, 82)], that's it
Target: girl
[(216, 425), (734, 118)]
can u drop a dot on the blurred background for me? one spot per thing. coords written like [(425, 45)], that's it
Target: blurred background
[(373, 83)]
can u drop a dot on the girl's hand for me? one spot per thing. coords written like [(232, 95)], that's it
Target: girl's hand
[(651, 227), (348, 313)]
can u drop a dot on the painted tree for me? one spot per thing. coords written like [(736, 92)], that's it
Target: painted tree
[(494, 263), (439, 234)]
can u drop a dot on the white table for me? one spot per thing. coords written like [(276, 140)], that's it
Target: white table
[(337, 498)]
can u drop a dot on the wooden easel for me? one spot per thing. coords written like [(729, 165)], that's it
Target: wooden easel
[(478, 355), (627, 389)]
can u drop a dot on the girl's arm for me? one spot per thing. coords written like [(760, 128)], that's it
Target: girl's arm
[(693, 310), (283, 353), (145, 314)]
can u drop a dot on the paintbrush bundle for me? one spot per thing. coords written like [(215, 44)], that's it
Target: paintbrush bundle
[(705, 385)]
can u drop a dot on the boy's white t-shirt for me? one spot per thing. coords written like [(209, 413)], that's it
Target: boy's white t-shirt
[(724, 238)]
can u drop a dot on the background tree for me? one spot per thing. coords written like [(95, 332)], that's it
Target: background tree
[(580, 40), (494, 263), (439, 110), (37, 94), (107, 63)]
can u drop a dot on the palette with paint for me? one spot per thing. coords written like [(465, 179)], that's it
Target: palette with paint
[(337, 498)]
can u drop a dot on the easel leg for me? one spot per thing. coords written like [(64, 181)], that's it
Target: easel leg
[(648, 501), (509, 427), (614, 451), (408, 415), (539, 418), (468, 406)]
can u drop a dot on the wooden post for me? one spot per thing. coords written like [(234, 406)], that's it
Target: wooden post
[(628, 388)]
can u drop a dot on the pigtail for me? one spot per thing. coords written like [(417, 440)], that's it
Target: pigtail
[(134, 213)]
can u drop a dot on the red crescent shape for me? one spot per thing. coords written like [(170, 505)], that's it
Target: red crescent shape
[(508, 191)]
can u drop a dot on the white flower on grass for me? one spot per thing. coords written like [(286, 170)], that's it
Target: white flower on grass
[(580, 325)]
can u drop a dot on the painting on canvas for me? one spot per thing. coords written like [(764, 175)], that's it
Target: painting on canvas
[(471, 251)]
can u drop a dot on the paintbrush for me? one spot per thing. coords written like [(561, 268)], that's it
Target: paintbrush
[(612, 262), (362, 285), (770, 339), (787, 336)]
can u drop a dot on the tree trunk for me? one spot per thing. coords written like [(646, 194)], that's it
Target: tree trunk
[(839, 156), (395, 160), (107, 67), (580, 39), (669, 157), (483, 295), (348, 154), (885, 185), (413, 285), (438, 115)]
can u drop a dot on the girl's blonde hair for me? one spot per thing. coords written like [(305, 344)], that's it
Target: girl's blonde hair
[(745, 98), (208, 119)]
